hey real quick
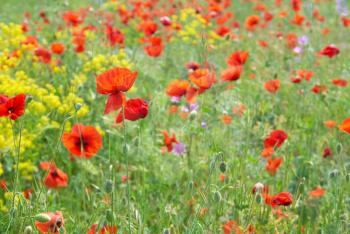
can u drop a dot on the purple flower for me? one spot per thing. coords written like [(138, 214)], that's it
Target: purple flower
[(179, 149), (303, 40), (194, 107), (297, 50), (341, 7), (185, 109), (204, 124), (175, 99)]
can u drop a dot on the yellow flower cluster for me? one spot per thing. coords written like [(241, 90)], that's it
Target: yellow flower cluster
[(195, 27), (100, 63)]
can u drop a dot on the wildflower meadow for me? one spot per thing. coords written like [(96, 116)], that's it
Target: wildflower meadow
[(172, 117)]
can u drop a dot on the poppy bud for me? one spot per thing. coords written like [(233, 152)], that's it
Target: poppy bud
[(334, 173), (42, 218), (339, 148), (62, 230), (125, 149), (190, 184), (222, 167), (109, 186), (193, 115), (77, 106), (258, 198), (217, 196), (29, 98), (28, 230), (110, 216)]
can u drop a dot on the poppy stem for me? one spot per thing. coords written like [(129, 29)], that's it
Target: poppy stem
[(17, 150), (125, 152)]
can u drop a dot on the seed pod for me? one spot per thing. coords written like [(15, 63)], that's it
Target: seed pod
[(109, 186), (217, 196), (42, 218), (222, 167), (78, 106), (28, 230)]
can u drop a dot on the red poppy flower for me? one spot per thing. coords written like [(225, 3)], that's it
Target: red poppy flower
[(104, 230), (345, 126), (57, 48), (114, 35), (282, 199), (72, 18), (43, 54), (27, 193), (272, 85), (155, 48), (340, 82), (177, 88), (318, 192), (148, 27), (55, 178), (330, 51), (237, 58), (114, 82), (169, 140), (232, 73), (275, 139), (327, 152), (134, 109), (272, 165), (82, 141), (53, 225), (12, 107), (319, 89)]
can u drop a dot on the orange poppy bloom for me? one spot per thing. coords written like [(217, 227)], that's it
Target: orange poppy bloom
[(113, 83), (330, 123), (55, 178), (177, 88), (272, 165), (237, 58), (230, 226), (134, 109), (202, 78), (82, 141), (169, 141), (226, 119), (104, 230), (53, 225), (57, 48), (12, 107), (251, 22), (272, 85), (298, 19), (231, 74), (267, 152), (345, 126), (318, 192)]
